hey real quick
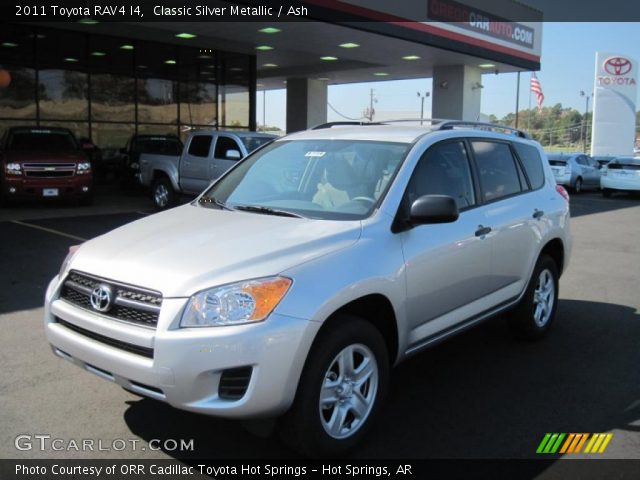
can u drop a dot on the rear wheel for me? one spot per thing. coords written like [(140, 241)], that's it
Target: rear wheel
[(536, 311), (341, 389), (162, 193), (577, 186)]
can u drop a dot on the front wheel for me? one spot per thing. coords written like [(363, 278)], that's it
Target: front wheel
[(162, 193), (536, 311), (341, 389)]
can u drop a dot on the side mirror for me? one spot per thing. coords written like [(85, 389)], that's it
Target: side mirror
[(433, 209), (233, 155)]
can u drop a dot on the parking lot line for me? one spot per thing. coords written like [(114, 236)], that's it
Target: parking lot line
[(49, 230)]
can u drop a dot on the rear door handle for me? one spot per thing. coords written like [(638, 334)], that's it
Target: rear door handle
[(537, 214), (482, 231)]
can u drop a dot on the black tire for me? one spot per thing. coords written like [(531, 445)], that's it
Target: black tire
[(606, 192), (524, 319), (577, 186), (162, 193), (303, 427)]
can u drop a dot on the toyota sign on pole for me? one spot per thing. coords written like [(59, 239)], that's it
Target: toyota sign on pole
[(614, 106)]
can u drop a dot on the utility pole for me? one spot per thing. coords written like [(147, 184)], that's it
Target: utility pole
[(584, 122), (422, 96), (369, 112)]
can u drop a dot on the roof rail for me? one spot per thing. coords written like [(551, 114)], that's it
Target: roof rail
[(451, 124), (342, 124), (435, 124)]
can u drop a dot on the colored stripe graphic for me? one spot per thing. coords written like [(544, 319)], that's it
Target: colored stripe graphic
[(573, 442)]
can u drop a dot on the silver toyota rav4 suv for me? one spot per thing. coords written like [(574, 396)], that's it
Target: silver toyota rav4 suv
[(293, 284)]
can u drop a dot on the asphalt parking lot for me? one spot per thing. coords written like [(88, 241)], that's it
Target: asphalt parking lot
[(479, 395)]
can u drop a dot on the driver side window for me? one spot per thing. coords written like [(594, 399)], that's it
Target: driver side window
[(444, 170)]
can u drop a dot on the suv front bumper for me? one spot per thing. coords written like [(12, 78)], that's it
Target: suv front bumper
[(186, 364)]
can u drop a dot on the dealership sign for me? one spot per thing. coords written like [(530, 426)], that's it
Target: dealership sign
[(614, 105), (480, 21)]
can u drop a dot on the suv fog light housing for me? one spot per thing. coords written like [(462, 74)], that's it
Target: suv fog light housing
[(234, 304), (83, 167)]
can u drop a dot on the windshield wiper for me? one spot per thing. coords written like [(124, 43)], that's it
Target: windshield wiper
[(267, 211), (215, 201)]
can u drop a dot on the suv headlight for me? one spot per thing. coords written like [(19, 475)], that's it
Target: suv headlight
[(84, 167), (73, 249), (14, 169), (236, 303)]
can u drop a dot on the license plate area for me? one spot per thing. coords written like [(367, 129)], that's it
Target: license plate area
[(49, 192)]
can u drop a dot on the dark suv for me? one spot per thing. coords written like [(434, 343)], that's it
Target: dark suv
[(42, 162)]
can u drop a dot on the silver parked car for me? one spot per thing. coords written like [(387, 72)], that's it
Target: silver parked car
[(293, 284), (576, 171), (206, 155)]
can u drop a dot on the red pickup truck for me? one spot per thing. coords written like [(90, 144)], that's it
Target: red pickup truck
[(42, 162)]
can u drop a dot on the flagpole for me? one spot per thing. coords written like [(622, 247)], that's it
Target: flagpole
[(517, 99), (529, 112)]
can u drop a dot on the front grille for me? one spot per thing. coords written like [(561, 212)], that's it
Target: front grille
[(49, 170), (130, 304), (112, 342), (45, 174), (234, 383)]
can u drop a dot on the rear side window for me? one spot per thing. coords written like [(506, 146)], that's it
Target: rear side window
[(200, 146), (443, 170), (532, 164), (223, 145), (497, 169)]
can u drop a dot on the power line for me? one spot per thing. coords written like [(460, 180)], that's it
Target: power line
[(343, 116)]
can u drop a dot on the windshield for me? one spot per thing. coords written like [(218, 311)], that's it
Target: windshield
[(324, 179), (42, 140), (157, 145), (251, 142)]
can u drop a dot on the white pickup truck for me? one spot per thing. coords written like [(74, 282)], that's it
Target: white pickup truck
[(207, 154)]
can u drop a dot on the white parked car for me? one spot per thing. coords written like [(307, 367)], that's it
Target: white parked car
[(621, 174)]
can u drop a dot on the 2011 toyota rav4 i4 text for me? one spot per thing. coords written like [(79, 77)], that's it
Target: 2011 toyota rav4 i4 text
[(292, 285)]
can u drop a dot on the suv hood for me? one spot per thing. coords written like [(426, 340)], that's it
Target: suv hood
[(190, 248)]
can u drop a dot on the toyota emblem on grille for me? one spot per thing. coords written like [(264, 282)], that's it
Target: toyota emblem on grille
[(101, 298)]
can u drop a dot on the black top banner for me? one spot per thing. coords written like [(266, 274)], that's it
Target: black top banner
[(323, 10)]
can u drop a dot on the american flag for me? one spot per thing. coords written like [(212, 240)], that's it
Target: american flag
[(537, 89)]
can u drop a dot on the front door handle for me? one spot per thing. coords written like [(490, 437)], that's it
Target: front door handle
[(482, 231), (537, 214)]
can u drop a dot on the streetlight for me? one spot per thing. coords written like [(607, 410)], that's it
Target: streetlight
[(584, 126), (422, 96)]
